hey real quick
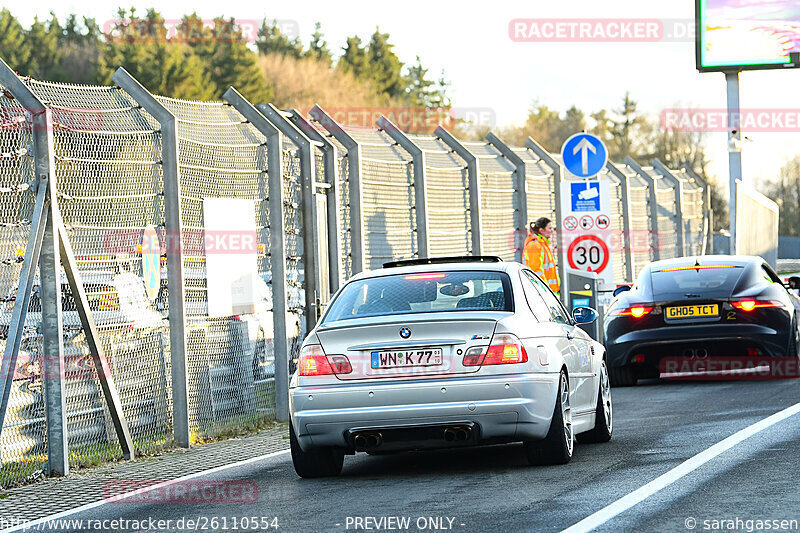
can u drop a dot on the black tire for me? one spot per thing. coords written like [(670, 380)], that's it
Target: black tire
[(623, 376), (793, 344), (317, 462), (557, 447), (603, 414)]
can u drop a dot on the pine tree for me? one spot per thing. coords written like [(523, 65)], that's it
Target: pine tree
[(15, 48), (318, 47), (167, 68), (228, 61), (272, 41), (355, 58), (385, 68)]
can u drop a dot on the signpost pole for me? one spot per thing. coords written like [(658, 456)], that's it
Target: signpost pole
[(734, 148)]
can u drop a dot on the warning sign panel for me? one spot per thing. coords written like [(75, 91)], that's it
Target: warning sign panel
[(586, 229)]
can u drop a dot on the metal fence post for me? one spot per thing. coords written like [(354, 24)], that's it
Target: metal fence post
[(543, 154), (653, 199), (277, 248), (357, 240), (474, 178), (330, 158), (420, 189), (172, 223), (311, 252), (52, 319), (626, 219), (660, 167), (707, 227), (53, 367), (521, 186)]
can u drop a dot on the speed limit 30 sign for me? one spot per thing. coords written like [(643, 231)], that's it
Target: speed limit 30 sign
[(588, 252)]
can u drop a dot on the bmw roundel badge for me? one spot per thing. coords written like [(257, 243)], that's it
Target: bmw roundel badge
[(405, 333)]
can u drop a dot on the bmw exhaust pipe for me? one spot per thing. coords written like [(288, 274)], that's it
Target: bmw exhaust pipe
[(360, 441), (457, 433), (367, 441)]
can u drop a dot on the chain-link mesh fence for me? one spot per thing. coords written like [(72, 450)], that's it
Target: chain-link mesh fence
[(540, 181), (640, 240), (23, 445), (447, 183), (231, 359), (109, 174), (667, 215), (387, 185), (497, 184), (616, 235), (693, 213)]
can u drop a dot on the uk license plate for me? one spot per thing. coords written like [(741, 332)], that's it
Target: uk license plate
[(692, 311), (407, 358)]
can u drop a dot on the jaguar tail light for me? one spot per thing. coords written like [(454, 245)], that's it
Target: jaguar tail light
[(314, 362), (504, 349), (636, 311), (749, 305)]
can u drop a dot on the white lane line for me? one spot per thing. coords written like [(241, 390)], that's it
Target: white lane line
[(626, 502), (99, 503)]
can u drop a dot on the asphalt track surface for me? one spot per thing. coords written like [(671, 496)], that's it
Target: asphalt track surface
[(657, 426)]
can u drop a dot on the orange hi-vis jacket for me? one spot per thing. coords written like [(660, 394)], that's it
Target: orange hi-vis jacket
[(539, 258)]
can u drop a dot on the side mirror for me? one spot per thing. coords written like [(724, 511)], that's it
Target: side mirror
[(794, 282), (620, 290), (584, 315)]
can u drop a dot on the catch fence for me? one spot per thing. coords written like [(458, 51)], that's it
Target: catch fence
[(143, 356)]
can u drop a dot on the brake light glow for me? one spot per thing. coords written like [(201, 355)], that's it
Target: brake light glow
[(636, 311), (749, 305), (695, 267), (505, 349), (424, 276)]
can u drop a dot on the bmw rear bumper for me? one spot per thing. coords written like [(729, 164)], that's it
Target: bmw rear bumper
[(719, 340), (513, 407)]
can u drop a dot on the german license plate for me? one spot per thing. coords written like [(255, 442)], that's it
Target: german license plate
[(692, 311), (407, 358)]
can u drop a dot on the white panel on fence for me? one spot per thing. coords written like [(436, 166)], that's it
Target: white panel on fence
[(231, 255)]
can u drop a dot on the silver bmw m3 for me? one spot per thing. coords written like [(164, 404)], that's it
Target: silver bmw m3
[(447, 352)]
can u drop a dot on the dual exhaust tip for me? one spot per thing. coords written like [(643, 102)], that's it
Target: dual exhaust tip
[(368, 441), (702, 353), (457, 434)]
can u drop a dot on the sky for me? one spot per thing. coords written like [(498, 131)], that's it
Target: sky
[(470, 41)]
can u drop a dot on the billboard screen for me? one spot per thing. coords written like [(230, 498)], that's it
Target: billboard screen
[(746, 34)]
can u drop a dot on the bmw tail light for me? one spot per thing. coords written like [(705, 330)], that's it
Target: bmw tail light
[(340, 364), (504, 349), (314, 362), (749, 305), (636, 311)]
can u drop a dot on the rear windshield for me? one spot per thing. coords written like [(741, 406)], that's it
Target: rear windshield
[(704, 279), (423, 292)]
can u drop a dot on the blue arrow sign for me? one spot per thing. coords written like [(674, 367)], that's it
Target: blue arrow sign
[(584, 155)]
